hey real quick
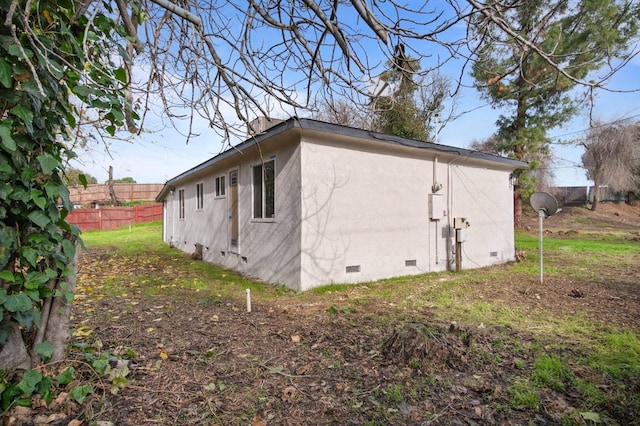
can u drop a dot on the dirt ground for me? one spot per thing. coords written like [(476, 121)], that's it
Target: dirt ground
[(193, 358), (607, 217)]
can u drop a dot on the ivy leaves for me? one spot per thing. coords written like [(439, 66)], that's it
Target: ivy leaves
[(22, 295), (6, 73), (5, 134)]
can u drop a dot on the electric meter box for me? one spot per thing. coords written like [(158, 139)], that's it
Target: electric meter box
[(436, 206), (460, 223)]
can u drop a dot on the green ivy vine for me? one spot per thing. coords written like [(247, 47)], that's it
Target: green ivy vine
[(52, 63)]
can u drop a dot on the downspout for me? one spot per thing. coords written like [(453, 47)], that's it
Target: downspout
[(449, 209), (172, 206), (434, 189), (164, 220), (428, 247), (436, 240)]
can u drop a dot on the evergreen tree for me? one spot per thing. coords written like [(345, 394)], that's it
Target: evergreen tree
[(398, 113), (582, 37)]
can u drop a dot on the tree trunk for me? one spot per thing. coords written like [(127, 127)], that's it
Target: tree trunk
[(596, 196), (57, 325), (14, 354), (521, 149), (518, 218), (18, 352)]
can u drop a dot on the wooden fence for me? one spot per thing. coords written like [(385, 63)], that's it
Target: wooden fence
[(99, 194), (114, 217)]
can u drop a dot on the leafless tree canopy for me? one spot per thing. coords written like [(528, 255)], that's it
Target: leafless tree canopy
[(242, 59), (344, 113), (611, 156)]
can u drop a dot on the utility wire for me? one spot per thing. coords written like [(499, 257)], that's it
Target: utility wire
[(621, 120)]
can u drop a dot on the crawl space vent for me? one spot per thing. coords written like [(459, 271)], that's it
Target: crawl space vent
[(353, 268)]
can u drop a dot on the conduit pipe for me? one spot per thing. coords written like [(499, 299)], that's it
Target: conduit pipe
[(436, 239), (435, 187), (449, 209)]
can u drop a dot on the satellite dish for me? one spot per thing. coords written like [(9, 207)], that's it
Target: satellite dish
[(545, 203)]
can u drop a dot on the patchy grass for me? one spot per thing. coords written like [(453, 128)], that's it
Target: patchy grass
[(549, 371), (523, 395), (618, 355), (583, 243)]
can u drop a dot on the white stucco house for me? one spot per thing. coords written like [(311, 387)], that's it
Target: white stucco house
[(308, 203)]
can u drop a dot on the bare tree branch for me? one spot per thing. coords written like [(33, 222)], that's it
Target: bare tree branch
[(183, 13), (207, 58)]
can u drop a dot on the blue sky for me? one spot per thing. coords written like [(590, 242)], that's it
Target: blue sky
[(161, 152), (609, 106)]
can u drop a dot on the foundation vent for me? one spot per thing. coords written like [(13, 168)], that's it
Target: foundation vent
[(353, 269), (411, 262)]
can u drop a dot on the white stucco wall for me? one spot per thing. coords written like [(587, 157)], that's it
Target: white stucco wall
[(268, 249), (365, 212), (362, 209), (485, 198), (206, 226)]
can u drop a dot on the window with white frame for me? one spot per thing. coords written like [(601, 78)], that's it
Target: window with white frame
[(199, 196), (181, 203), (264, 190), (221, 186)]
